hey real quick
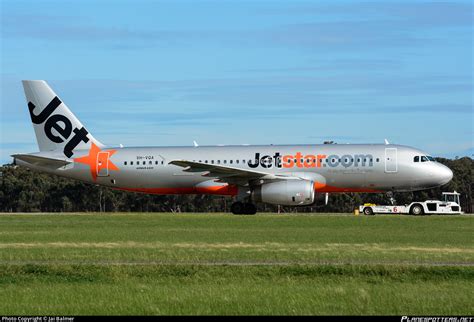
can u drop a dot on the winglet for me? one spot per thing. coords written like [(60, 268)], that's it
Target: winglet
[(195, 144), (386, 142)]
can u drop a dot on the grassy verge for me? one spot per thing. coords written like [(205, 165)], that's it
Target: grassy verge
[(225, 238), (113, 264), (143, 290)]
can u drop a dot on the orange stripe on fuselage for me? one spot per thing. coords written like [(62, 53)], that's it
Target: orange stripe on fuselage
[(321, 187), (229, 190)]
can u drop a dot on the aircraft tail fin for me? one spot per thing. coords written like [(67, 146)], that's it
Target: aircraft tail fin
[(56, 127)]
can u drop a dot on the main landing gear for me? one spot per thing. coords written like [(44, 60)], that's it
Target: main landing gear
[(240, 208)]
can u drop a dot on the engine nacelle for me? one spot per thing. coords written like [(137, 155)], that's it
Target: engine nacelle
[(287, 193)]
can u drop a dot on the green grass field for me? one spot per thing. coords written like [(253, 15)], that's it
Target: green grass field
[(73, 264)]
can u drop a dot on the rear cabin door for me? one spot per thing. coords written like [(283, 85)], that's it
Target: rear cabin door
[(391, 165), (103, 164)]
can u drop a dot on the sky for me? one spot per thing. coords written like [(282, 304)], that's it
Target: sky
[(164, 73)]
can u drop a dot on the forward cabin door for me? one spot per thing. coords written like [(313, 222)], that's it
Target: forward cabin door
[(103, 164), (391, 165)]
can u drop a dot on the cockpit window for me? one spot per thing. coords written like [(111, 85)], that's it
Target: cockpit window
[(423, 158)]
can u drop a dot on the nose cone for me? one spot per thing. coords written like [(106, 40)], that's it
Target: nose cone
[(444, 174)]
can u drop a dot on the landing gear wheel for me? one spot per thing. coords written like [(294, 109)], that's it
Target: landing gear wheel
[(240, 208), (368, 211), (417, 210), (250, 209), (237, 208)]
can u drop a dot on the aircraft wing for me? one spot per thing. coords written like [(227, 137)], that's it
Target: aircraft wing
[(43, 161), (226, 173)]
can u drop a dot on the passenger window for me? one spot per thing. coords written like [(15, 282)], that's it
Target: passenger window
[(237, 161), (225, 161), (205, 161), (125, 163), (230, 161), (377, 159), (423, 158), (131, 162), (416, 159), (161, 162), (144, 162), (218, 161), (212, 161)]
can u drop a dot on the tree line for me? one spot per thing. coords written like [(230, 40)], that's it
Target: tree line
[(24, 190)]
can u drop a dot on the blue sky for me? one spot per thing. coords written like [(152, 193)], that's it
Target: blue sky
[(245, 72)]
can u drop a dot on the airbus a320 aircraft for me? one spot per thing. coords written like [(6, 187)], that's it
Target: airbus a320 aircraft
[(274, 174)]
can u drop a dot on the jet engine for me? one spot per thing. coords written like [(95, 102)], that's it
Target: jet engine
[(287, 193)]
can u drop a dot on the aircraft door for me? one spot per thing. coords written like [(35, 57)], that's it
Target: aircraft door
[(391, 165), (103, 164)]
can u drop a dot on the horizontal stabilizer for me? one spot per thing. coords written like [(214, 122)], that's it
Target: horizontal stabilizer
[(42, 161)]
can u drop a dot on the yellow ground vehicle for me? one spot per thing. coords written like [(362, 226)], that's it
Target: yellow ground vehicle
[(448, 205)]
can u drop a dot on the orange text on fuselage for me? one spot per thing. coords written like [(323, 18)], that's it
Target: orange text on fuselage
[(300, 160)]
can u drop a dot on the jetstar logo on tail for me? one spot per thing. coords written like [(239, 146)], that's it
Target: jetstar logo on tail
[(61, 124), (96, 162)]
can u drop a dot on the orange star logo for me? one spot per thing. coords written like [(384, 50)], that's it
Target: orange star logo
[(98, 160)]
